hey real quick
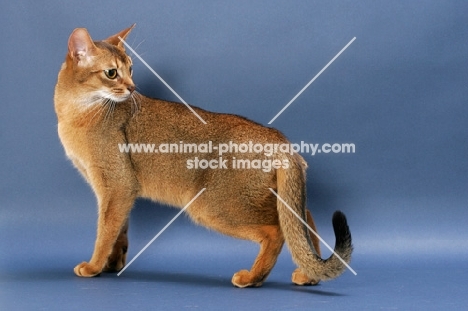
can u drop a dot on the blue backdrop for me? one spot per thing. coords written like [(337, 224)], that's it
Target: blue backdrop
[(398, 92)]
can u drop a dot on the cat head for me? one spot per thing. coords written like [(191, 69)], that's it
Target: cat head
[(97, 71)]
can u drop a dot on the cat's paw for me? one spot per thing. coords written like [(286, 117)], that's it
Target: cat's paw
[(244, 278), (114, 264), (116, 260), (86, 270), (299, 278)]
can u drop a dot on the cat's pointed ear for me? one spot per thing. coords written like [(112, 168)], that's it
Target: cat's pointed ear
[(114, 40), (81, 47)]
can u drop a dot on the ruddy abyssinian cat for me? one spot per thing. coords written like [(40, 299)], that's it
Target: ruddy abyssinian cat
[(98, 109)]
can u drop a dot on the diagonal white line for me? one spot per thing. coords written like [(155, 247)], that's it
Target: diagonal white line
[(311, 81), (315, 233), (162, 80), (160, 232)]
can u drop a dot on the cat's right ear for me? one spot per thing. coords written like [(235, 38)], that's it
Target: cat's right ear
[(81, 47)]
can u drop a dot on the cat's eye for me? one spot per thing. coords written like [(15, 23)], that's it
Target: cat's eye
[(131, 70), (111, 73)]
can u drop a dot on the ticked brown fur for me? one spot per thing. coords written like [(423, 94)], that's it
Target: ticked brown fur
[(98, 108)]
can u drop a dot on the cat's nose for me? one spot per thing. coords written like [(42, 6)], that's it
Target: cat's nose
[(131, 88)]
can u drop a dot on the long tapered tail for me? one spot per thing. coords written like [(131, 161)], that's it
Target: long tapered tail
[(291, 188)]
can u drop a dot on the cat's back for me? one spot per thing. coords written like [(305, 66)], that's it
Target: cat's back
[(172, 120)]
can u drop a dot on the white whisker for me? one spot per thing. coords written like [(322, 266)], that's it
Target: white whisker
[(109, 104), (136, 48), (135, 102), (97, 111)]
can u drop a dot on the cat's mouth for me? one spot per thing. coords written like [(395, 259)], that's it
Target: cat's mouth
[(120, 95)]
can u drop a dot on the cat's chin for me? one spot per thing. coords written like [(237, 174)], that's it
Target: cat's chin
[(120, 99), (103, 96)]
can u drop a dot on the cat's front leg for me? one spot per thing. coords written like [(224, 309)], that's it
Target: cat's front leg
[(113, 214), (118, 256)]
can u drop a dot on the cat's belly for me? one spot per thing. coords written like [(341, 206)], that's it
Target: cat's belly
[(240, 195)]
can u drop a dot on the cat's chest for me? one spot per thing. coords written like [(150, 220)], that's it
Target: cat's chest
[(89, 143)]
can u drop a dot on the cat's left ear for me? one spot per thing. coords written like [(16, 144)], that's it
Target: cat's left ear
[(114, 40)]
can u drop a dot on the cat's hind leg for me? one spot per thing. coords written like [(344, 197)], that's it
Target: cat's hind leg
[(299, 277), (271, 241), (257, 222)]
